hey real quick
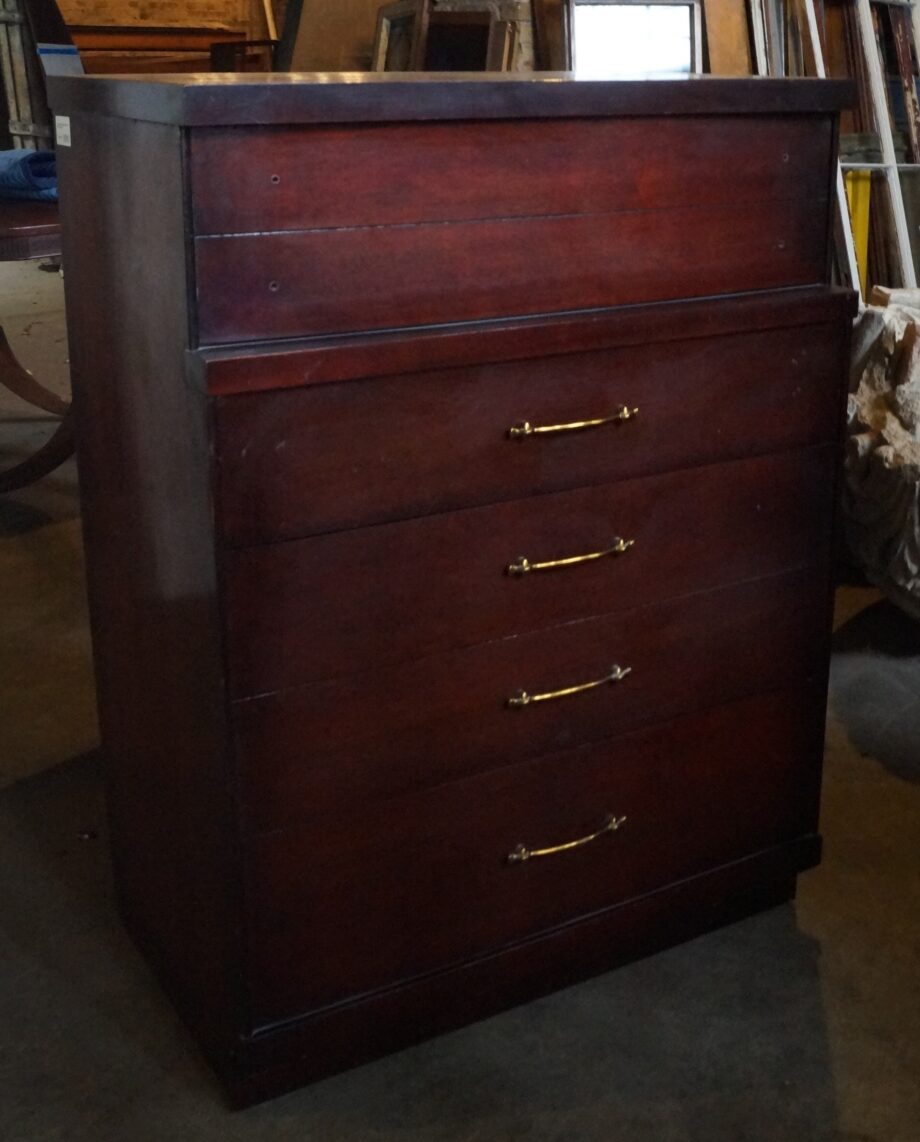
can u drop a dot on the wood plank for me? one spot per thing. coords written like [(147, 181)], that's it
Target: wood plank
[(436, 441), (331, 281), (256, 368), (340, 911), (728, 37), (237, 100), (380, 732), (144, 475), (329, 605), (254, 180)]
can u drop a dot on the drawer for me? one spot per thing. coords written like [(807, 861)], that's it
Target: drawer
[(387, 730), (305, 283), (372, 896), (337, 604), (399, 173), (302, 461)]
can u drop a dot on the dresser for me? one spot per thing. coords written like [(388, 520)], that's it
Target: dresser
[(458, 460)]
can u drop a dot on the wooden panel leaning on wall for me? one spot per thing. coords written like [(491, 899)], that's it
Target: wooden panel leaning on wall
[(587, 693)]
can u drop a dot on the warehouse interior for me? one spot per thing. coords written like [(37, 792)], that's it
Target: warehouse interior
[(795, 1023)]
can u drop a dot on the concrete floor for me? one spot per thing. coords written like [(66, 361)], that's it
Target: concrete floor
[(44, 638), (799, 1025)]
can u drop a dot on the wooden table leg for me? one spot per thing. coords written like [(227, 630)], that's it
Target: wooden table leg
[(21, 382), (50, 456)]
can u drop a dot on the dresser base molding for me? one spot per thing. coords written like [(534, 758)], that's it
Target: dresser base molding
[(278, 1059)]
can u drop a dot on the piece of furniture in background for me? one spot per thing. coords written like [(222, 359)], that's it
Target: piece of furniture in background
[(30, 231), (458, 526), (453, 35), (126, 49), (245, 55)]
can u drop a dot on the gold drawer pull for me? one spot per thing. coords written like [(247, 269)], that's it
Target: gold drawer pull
[(521, 854), (522, 698), (523, 566), (525, 428)]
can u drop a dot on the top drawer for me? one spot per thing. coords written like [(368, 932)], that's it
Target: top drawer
[(337, 229), (328, 177)]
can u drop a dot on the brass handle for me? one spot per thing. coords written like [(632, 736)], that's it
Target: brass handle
[(523, 566), (525, 428), (522, 698), (521, 853)]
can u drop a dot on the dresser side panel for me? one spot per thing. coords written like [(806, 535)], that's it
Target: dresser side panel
[(144, 462)]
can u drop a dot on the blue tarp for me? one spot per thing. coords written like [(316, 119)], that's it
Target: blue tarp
[(29, 175)]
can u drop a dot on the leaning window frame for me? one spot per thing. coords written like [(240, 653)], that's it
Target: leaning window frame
[(696, 24)]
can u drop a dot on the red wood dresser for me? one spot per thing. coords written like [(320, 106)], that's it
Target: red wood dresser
[(458, 468)]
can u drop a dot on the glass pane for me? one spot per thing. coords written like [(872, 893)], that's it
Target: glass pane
[(632, 41)]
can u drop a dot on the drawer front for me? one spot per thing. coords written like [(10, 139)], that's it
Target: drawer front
[(342, 603), (312, 282), (310, 460), (369, 897), (387, 730), (325, 177)]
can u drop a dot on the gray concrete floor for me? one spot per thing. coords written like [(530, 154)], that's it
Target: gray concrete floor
[(799, 1025), (47, 702)]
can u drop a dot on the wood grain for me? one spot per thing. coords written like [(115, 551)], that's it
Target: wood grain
[(246, 99), (396, 174), (435, 441), (382, 731), (728, 40), (340, 603), (143, 462), (330, 281), (261, 367), (288, 1054), (374, 897)]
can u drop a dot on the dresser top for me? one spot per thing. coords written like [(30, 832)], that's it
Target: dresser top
[(229, 99)]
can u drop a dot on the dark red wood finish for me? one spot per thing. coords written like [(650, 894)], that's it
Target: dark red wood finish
[(143, 463), (335, 281), (356, 600), (305, 642), (305, 752), (212, 100), (295, 178), (294, 1051), (416, 444), (413, 884), (269, 367)]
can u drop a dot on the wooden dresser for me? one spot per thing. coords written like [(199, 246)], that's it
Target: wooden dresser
[(458, 463)]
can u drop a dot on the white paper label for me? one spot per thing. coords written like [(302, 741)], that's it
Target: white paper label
[(62, 130)]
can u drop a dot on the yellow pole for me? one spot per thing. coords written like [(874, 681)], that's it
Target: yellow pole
[(859, 192)]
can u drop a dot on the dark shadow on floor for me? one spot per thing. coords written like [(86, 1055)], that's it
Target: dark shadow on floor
[(875, 686), (881, 628)]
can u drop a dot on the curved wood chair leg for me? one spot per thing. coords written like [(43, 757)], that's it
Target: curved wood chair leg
[(50, 456), (21, 382)]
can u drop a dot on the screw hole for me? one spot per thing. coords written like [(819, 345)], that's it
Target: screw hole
[(276, 178), (274, 287)]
